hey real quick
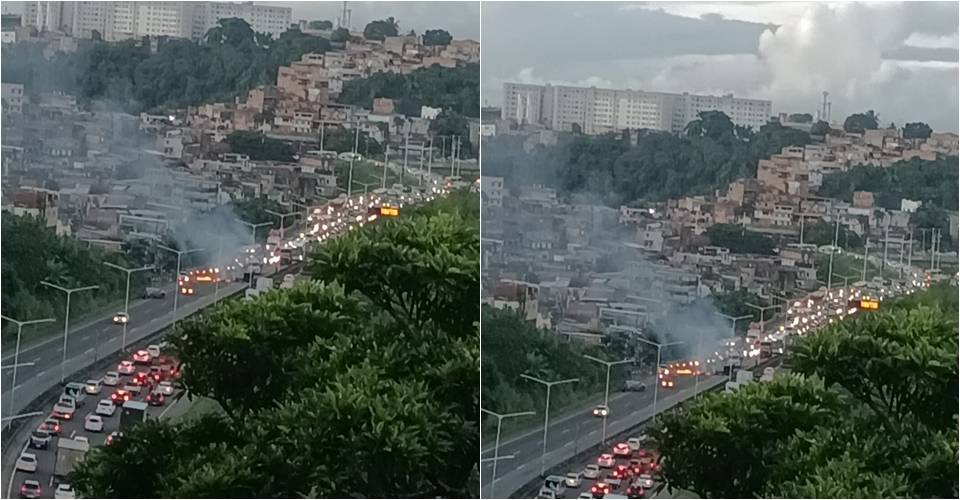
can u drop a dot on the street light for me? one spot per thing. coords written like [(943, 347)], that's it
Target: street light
[(656, 387), (606, 394), (496, 446), (16, 354), (253, 229), (733, 322), (833, 250), (66, 319), (22, 415), (846, 279), (176, 295), (282, 218), (762, 310), (546, 415), (126, 306), (356, 142)]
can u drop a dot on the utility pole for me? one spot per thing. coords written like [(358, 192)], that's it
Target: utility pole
[(356, 143), (886, 238), (430, 162), (16, 353), (910, 252), (866, 250), (420, 174), (386, 161), (406, 154), (126, 304), (606, 395), (833, 250), (176, 296), (546, 416), (496, 446), (66, 320), (282, 218), (762, 310)]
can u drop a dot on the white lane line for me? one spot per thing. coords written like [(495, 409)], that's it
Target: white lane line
[(13, 475), (165, 410), (72, 434), (41, 373), (567, 444), (88, 351), (34, 361), (521, 466), (565, 431)]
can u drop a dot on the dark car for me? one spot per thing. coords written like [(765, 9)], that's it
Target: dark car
[(621, 472), (599, 490), (155, 398), (141, 378), (40, 439), (635, 490)]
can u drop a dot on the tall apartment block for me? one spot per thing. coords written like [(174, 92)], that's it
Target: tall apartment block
[(129, 19), (597, 111)]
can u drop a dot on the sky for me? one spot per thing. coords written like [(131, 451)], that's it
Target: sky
[(461, 19), (899, 59)]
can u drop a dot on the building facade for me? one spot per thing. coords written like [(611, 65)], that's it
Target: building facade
[(596, 111)]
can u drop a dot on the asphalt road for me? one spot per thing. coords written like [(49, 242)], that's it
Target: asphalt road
[(94, 341), (574, 433), (46, 459)]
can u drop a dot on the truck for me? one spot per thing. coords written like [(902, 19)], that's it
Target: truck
[(132, 413), (634, 385), (69, 453), (77, 391), (152, 292), (261, 285)]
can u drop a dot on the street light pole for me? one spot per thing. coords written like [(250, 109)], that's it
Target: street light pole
[(496, 446), (733, 322), (762, 310), (866, 250), (176, 296), (282, 218), (126, 305), (546, 414), (253, 239), (656, 387), (16, 354), (606, 393), (66, 320), (833, 250)]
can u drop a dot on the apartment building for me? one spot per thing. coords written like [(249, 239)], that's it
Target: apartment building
[(596, 111), (120, 20)]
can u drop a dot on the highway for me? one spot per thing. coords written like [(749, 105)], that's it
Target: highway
[(146, 316), (574, 433), (46, 458)]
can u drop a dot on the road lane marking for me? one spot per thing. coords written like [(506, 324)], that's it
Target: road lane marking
[(521, 466), (88, 351), (568, 444), (35, 360), (41, 373)]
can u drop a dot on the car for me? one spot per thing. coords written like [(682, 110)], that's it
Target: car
[(113, 435), (141, 357), (613, 480), (591, 471), (546, 493), (155, 398), (601, 411), (106, 408), (141, 378), (635, 490), (40, 439), (93, 387), (51, 425), (126, 367), (584, 494), (646, 481), (121, 396), (573, 479), (111, 379), (65, 408), (636, 442), (64, 490), (153, 350), (121, 318), (600, 490), (30, 489), (621, 472), (93, 423), (606, 461), (157, 373), (621, 450), (636, 466), (27, 462), (166, 388)]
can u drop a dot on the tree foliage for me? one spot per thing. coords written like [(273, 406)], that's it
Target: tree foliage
[(342, 140), (450, 123), (869, 412), (712, 153), (320, 25), (800, 118), (457, 89), (739, 240), (917, 130), (858, 123), (230, 60), (259, 147), (821, 233), (437, 37), (932, 182), (306, 374), (820, 128), (380, 29)]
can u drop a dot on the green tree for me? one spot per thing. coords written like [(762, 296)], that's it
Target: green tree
[(450, 123), (739, 240), (932, 182), (857, 123), (437, 37), (800, 118), (380, 29), (456, 89), (320, 25), (259, 147), (820, 128), (342, 140), (917, 130)]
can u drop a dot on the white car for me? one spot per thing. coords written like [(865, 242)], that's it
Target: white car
[(153, 350), (585, 494), (64, 490), (106, 408), (141, 356), (27, 462), (606, 461), (93, 423), (93, 387), (111, 379), (126, 367), (601, 411), (165, 387), (646, 480), (574, 479), (592, 471)]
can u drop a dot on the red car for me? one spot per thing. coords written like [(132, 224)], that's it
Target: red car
[(600, 490), (121, 396), (635, 491), (155, 399), (141, 357), (141, 378), (50, 425), (621, 450), (621, 472)]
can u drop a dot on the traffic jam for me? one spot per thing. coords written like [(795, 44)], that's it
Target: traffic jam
[(94, 413), (628, 470)]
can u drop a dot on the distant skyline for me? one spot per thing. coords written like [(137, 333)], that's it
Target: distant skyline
[(899, 59), (461, 19)]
